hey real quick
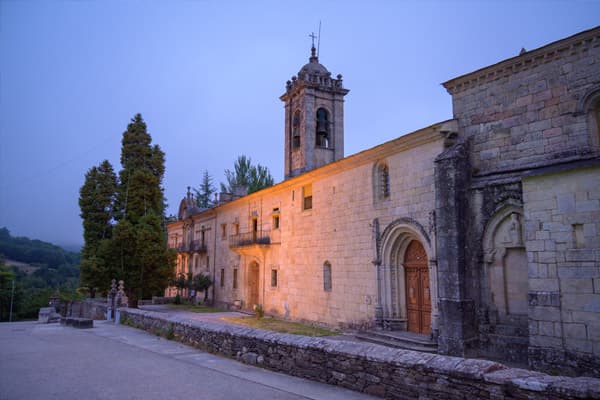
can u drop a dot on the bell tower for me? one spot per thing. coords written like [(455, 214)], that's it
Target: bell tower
[(314, 118)]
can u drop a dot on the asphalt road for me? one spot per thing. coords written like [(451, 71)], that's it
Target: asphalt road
[(40, 361)]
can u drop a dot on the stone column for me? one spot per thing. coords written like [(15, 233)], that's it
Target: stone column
[(457, 333), (379, 306)]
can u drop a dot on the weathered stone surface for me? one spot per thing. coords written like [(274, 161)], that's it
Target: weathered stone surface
[(369, 368), (77, 322), (47, 315)]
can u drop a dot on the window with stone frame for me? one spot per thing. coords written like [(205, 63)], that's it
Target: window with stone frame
[(323, 127), (296, 122), (591, 107), (307, 198), (327, 283), (235, 278), (381, 181), (222, 280), (223, 231), (275, 218), (274, 278)]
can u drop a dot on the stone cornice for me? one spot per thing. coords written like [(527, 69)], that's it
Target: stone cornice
[(577, 43)]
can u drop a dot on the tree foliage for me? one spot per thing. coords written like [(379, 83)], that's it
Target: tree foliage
[(246, 175), (96, 200), (50, 268), (136, 250), (204, 194), (140, 188)]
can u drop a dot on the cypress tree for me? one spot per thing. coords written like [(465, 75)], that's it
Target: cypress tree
[(96, 198), (123, 220), (139, 246)]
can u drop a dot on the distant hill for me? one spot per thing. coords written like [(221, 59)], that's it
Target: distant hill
[(39, 270), (33, 251), (27, 268), (74, 248)]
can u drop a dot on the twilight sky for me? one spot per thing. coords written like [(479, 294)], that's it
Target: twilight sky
[(207, 76)]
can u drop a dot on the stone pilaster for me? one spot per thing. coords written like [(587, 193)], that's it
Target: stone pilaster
[(457, 333)]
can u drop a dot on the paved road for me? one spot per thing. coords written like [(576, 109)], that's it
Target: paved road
[(117, 362)]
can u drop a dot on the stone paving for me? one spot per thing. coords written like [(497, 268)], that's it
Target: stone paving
[(50, 361)]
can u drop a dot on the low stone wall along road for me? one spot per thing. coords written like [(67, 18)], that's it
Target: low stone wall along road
[(50, 361)]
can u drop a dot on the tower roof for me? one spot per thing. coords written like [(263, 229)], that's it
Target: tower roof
[(313, 66), (314, 75)]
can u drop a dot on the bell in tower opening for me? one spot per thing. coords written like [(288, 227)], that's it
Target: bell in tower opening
[(314, 118)]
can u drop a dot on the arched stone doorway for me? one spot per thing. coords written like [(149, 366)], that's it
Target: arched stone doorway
[(253, 284), (406, 279), (418, 293)]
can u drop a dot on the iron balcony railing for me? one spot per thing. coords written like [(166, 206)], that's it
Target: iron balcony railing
[(198, 247), (182, 247), (195, 246), (250, 238)]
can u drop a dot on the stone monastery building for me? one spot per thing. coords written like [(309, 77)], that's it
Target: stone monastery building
[(481, 233)]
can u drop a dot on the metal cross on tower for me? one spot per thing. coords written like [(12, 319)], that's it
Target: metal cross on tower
[(313, 37)]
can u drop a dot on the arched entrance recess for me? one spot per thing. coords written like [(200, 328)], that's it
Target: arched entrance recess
[(406, 279)]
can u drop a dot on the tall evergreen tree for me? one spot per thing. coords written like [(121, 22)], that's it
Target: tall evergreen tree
[(123, 220), (96, 198), (244, 174), (205, 192), (139, 247)]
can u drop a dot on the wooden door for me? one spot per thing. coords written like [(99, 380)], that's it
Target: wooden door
[(418, 296), (252, 285)]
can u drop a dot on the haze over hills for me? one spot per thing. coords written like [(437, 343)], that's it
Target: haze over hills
[(38, 270)]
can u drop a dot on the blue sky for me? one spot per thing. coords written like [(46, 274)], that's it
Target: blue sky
[(207, 76)]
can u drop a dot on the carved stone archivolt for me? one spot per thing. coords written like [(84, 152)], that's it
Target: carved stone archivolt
[(394, 247)]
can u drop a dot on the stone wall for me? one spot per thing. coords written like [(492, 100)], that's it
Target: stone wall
[(368, 368), (90, 308), (338, 230), (525, 112), (562, 210), (518, 118)]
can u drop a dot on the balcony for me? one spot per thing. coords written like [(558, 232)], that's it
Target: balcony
[(261, 238), (183, 248), (195, 246), (198, 247)]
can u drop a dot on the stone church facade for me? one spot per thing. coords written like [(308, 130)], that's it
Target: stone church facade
[(481, 233)]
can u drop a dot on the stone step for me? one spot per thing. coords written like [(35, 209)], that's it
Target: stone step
[(399, 340)]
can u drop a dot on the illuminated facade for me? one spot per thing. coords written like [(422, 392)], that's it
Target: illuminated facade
[(481, 232)]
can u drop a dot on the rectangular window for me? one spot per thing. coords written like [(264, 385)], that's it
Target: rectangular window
[(327, 277), (578, 238), (235, 278), (223, 231), (273, 278), (275, 218), (307, 197), (207, 262), (236, 229), (222, 277)]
